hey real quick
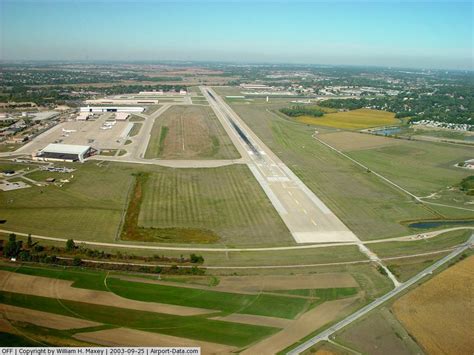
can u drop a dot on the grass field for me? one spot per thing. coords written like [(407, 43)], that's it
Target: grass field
[(80, 209), (225, 201), (437, 313), (443, 241), (372, 210), (354, 119), (189, 132), (422, 168)]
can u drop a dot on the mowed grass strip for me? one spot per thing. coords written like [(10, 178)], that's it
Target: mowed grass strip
[(354, 119), (199, 328), (258, 304), (441, 242), (189, 132), (227, 201)]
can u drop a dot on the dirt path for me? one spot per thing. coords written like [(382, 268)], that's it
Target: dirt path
[(307, 323), (61, 289), (44, 319), (130, 337)]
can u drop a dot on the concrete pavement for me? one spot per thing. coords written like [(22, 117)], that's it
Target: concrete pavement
[(306, 216)]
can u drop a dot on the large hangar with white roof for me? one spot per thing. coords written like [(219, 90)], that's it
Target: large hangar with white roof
[(64, 152)]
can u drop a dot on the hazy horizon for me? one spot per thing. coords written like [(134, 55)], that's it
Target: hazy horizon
[(430, 35)]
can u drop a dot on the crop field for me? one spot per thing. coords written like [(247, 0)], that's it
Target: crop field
[(436, 313), (352, 120), (79, 209), (349, 141), (373, 210), (152, 307), (378, 333), (225, 202), (189, 132)]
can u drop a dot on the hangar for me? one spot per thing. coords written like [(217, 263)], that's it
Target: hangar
[(64, 152), (100, 109)]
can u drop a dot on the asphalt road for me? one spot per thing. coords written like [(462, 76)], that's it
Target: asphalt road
[(379, 301), (306, 216)]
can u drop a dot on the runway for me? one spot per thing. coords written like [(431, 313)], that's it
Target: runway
[(306, 216)]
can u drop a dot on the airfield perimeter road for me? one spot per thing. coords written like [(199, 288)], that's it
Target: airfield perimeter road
[(306, 216), (379, 301)]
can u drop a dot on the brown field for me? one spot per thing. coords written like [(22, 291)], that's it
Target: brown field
[(130, 337), (44, 319), (304, 325), (439, 313), (349, 141), (190, 132), (61, 289), (378, 334)]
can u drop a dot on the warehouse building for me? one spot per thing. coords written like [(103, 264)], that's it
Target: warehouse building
[(64, 152), (101, 109)]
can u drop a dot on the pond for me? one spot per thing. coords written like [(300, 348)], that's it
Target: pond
[(389, 131), (434, 224)]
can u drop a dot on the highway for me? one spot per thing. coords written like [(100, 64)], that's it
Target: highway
[(308, 219), (379, 301)]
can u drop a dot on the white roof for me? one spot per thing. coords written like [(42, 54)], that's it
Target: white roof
[(66, 148)]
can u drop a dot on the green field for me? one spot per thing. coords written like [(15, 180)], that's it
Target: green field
[(89, 207), (420, 167), (226, 201), (373, 210), (189, 132)]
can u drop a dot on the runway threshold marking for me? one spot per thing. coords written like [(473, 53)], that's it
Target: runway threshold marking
[(312, 221)]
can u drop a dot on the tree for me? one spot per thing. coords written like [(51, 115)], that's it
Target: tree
[(29, 242), (77, 261), (70, 245), (196, 259), (13, 247)]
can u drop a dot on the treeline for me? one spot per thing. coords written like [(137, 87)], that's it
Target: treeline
[(298, 110), (451, 105), (73, 255)]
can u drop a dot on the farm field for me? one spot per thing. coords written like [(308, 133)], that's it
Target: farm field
[(224, 205), (352, 120), (435, 312), (32, 289), (352, 141), (378, 333), (374, 210), (189, 132)]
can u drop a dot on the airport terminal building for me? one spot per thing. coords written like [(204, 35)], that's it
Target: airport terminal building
[(64, 152), (102, 109)]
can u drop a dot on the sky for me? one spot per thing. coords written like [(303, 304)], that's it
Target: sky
[(422, 34)]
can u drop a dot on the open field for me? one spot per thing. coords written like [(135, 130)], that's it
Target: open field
[(34, 289), (354, 119), (177, 215), (372, 210), (225, 201), (189, 132), (422, 168), (88, 207), (441, 242), (437, 313), (348, 141), (379, 333)]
